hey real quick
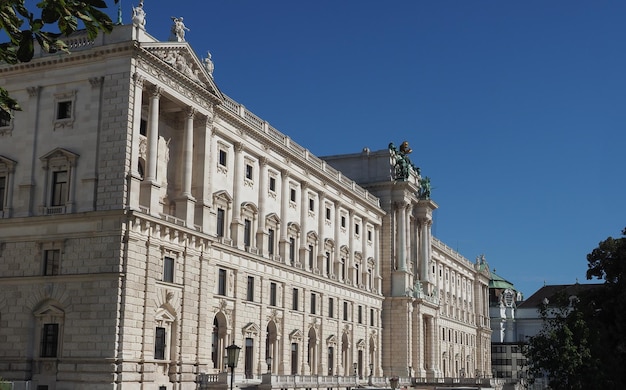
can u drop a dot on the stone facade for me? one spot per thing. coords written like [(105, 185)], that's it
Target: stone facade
[(149, 221), (435, 299)]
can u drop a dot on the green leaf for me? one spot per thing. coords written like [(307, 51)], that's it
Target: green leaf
[(97, 3), (26, 49), (50, 15), (36, 25)]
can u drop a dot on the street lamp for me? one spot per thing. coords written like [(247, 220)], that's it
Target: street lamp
[(232, 357), (268, 360), (369, 381)]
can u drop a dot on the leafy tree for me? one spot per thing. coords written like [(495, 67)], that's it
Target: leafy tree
[(583, 341), (562, 348), (24, 27)]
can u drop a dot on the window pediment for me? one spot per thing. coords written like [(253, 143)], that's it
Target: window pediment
[(59, 157), (49, 311)]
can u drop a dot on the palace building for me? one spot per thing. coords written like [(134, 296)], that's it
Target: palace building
[(148, 221)]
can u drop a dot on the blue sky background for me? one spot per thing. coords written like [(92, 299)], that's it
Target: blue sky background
[(515, 110)]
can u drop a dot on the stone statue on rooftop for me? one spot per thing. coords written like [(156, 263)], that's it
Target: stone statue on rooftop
[(178, 30), (425, 188), (139, 16), (208, 64)]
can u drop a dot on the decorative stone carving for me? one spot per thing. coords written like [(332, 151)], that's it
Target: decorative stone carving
[(208, 64), (177, 32), (139, 16)]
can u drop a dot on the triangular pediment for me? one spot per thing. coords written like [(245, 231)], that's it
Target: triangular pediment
[(60, 152), (6, 164), (181, 58), (49, 310), (296, 335), (251, 329)]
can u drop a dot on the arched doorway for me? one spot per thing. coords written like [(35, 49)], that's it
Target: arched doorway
[(218, 341)]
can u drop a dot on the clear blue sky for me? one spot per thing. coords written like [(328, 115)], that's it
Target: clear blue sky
[(516, 110)]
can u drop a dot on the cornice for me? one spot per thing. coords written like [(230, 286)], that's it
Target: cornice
[(247, 130), (73, 57)]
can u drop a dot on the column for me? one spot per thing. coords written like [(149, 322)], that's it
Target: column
[(261, 234), (321, 217), (185, 204), (134, 177), (301, 258), (151, 188), (206, 166), (401, 237), (337, 256), (284, 207), (236, 224), (424, 249)]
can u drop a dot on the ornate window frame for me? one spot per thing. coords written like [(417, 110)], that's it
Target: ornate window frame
[(58, 160), (65, 120), (48, 313)]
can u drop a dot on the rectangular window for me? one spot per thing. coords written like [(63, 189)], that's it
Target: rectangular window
[(357, 272), (311, 257), (221, 282), (292, 250), (292, 195), (159, 343), (372, 318), (3, 191), (247, 232), (143, 127), (248, 171), (52, 262), (220, 222), (222, 155), (360, 314), (168, 269), (313, 303), (357, 228), (59, 188), (311, 204), (64, 110), (270, 241), (369, 235), (328, 213), (331, 308), (343, 221), (327, 263), (250, 291), (49, 340), (294, 299), (272, 184), (345, 311), (294, 358), (272, 294)]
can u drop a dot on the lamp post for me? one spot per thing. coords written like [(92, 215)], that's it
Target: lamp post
[(268, 360), (356, 376), (369, 381), (232, 357)]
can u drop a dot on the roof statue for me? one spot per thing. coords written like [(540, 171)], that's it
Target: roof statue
[(119, 14), (402, 162), (208, 64), (425, 188), (139, 16), (178, 30)]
